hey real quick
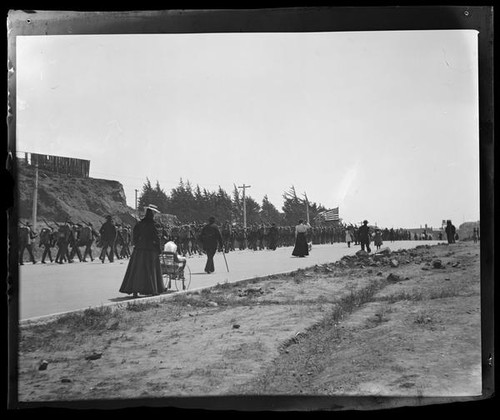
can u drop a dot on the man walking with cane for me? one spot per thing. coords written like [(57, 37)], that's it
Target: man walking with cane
[(211, 239)]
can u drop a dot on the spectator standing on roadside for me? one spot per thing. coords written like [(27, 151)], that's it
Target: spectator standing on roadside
[(143, 275), (301, 248), (377, 240), (364, 236), (450, 232), (348, 237), (211, 238)]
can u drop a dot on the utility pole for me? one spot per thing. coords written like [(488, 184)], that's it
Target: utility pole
[(136, 199), (244, 187), (35, 196)]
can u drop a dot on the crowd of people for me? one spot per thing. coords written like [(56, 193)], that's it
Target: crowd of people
[(63, 242), (143, 243)]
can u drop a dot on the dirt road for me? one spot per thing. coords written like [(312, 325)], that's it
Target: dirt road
[(404, 324), (52, 288)]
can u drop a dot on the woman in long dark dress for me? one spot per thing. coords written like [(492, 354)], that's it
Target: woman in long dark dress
[(143, 275), (301, 248)]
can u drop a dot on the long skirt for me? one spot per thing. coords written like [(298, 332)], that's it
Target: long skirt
[(143, 275), (301, 249)]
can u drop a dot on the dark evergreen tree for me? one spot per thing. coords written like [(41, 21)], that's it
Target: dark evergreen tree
[(269, 213)]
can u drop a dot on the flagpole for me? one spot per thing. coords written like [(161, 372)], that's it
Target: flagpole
[(307, 208)]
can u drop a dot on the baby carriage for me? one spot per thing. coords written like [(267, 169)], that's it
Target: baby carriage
[(173, 270)]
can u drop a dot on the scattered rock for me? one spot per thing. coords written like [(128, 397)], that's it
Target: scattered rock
[(66, 380), (362, 254), (93, 356), (43, 365), (379, 273), (236, 325), (250, 291), (394, 263), (393, 277), (457, 264), (211, 303), (383, 251), (437, 264)]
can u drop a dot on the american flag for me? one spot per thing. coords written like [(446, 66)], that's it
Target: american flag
[(332, 214)]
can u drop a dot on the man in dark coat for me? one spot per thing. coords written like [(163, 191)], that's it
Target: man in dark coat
[(108, 236), (273, 237), (211, 238), (450, 232), (364, 236)]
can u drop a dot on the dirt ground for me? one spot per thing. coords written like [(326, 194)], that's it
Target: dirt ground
[(397, 324)]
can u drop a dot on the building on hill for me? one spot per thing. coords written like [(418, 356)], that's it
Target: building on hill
[(58, 164)]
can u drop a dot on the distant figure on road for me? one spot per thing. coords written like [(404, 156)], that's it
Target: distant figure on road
[(108, 236), (450, 232), (348, 237), (364, 236), (301, 248), (377, 240), (211, 238), (475, 235), (143, 275)]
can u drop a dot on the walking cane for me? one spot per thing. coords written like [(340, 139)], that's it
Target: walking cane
[(224, 255)]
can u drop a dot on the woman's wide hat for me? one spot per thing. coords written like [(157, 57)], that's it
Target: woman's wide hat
[(153, 208)]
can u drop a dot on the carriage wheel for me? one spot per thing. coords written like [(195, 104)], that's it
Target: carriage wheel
[(184, 284)]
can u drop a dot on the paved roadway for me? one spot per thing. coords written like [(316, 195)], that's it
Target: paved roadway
[(47, 289)]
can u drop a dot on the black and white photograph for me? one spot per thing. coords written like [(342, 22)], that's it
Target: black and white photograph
[(214, 210)]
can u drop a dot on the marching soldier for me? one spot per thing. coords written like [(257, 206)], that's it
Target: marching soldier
[(226, 236), (86, 239), (62, 242), (273, 237), (107, 235), (73, 242), (118, 241), (26, 236), (47, 241)]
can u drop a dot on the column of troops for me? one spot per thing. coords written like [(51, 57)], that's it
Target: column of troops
[(62, 242)]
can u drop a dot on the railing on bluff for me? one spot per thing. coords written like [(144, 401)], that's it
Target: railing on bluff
[(59, 164)]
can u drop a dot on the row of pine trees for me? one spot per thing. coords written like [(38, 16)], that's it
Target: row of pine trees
[(195, 204)]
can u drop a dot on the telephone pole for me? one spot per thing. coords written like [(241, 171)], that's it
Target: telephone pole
[(244, 187), (136, 199), (35, 196)]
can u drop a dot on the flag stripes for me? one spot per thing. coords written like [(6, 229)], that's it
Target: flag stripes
[(332, 214)]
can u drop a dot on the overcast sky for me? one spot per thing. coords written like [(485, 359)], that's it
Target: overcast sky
[(383, 125)]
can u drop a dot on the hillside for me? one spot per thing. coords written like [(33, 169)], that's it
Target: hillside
[(62, 197)]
